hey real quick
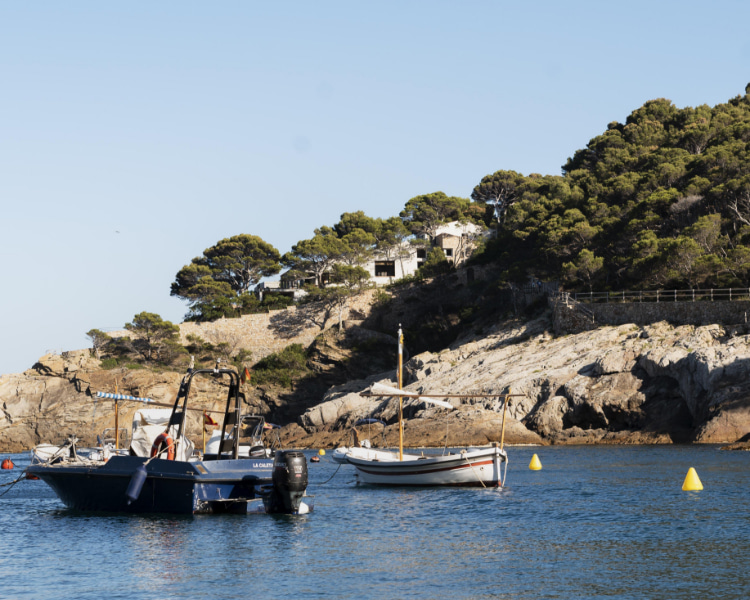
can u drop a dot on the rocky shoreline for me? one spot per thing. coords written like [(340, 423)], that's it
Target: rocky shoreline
[(627, 384), (614, 385)]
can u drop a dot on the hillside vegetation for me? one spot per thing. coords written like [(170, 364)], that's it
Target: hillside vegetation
[(662, 200)]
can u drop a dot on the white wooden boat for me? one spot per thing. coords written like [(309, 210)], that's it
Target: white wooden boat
[(468, 467)]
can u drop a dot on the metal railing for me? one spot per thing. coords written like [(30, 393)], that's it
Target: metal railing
[(540, 287), (698, 295), (574, 304)]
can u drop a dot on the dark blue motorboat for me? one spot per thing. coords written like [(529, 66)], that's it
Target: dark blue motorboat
[(174, 479)]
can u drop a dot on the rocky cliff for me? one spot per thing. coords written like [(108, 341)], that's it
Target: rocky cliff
[(57, 398), (623, 384)]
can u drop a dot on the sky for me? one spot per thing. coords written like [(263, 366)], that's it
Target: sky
[(134, 135)]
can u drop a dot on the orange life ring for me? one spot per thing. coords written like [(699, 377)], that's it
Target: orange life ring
[(163, 439)]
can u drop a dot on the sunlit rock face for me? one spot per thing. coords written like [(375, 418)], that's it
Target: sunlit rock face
[(624, 384)]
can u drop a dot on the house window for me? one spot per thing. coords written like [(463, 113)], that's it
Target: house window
[(385, 268), (449, 251), (421, 253)]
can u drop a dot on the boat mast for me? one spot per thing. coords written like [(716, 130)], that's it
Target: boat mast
[(400, 398), (505, 410), (117, 426), (117, 420)]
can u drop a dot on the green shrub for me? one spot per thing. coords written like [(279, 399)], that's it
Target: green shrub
[(275, 302), (245, 304), (418, 277), (381, 299), (242, 357), (109, 363), (281, 368), (435, 264)]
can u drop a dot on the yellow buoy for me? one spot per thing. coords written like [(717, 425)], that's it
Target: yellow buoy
[(322, 452), (535, 465), (692, 482)]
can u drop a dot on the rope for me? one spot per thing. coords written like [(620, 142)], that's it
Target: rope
[(332, 476), (473, 469), (59, 453), (12, 483)]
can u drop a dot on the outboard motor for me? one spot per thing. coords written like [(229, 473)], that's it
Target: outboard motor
[(289, 481)]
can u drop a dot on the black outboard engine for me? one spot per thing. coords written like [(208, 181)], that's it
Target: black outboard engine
[(289, 481)]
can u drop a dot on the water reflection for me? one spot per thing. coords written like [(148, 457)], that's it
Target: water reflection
[(159, 546)]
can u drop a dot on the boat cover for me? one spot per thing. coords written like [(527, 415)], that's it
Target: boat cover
[(148, 424)]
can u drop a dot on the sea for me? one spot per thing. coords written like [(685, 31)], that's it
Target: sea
[(594, 522)]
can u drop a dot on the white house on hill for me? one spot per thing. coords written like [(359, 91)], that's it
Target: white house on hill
[(457, 240)]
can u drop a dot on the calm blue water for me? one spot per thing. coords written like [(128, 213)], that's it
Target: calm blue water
[(595, 522)]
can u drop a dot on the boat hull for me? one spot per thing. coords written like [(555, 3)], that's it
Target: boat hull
[(482, 467), (175, 487)]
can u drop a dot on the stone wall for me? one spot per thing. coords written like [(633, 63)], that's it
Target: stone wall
[(572, 317), (266, 333)]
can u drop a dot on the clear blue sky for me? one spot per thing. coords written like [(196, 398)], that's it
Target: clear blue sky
[(133, 135)]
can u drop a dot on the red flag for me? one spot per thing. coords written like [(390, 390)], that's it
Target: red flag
[(207, 420), (245, 376)]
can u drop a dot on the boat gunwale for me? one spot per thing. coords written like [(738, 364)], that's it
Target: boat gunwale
[(194, 474), (433, 459)]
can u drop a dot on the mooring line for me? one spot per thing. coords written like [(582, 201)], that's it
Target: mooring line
[(12, 483), (473, 469), (332, 476)]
